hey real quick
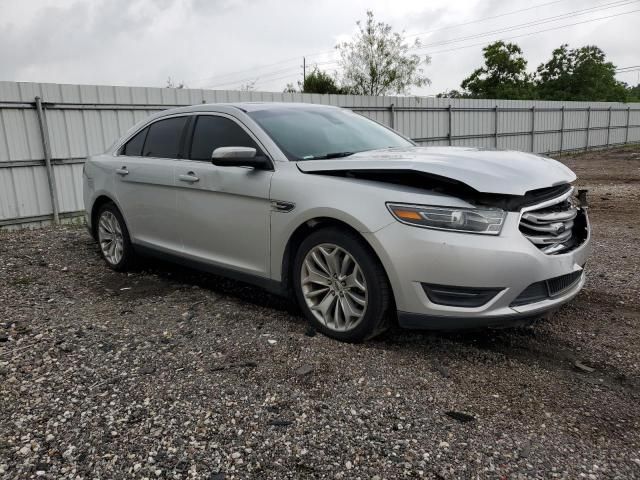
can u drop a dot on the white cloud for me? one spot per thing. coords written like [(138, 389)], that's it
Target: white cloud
[(229, 42)]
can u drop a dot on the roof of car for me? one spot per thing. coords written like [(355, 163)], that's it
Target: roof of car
[(222, 108), (254, 106), (245, 106)]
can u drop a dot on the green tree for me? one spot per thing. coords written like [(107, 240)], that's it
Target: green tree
[(633, 94), (377, 61), (172, 84), (504, 74), (320, 82), (248, 87), (316, 81), (451, 94), (290, 88), (579, 74)]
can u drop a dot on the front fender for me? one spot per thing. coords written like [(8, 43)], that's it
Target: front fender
[(359, 203)]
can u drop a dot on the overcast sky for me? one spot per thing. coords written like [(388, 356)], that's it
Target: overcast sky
[(223, 44)]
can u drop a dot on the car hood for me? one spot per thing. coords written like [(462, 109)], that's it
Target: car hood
[(487, 171)]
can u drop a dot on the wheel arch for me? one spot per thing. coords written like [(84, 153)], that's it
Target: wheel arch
[(101, 200), (303, 231)]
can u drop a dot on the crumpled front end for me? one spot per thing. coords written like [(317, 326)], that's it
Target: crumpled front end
[(452, 280)]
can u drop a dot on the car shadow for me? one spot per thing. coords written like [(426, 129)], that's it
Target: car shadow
[(179, 275), (531, 344)]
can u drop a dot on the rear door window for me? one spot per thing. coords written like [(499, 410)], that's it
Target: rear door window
[(212, 132), (133, 148), (164, 138)]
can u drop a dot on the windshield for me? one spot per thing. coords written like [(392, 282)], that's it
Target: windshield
[(313, 133)]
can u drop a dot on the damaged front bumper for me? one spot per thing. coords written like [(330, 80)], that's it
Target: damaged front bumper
[(449, 280)]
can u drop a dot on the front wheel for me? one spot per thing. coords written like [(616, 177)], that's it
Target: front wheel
[(341, 285)]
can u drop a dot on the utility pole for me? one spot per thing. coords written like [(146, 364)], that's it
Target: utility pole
[(304, 71)]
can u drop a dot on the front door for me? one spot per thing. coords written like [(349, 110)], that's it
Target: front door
[(224, 211)]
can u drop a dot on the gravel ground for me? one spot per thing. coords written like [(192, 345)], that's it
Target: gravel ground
[(169, 373)]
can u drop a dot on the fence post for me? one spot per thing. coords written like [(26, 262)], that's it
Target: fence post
[(533, 129), (46, 147), (586, 146), (626, 135), (392, 111), (450, 124), (495, 130), (561, 129), (609, 126)]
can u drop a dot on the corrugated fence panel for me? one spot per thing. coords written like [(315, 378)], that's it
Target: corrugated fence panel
[(69, 185), (86, 119), (16, 135), (24, 192)]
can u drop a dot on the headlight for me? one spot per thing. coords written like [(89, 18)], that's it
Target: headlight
[(487, 221)]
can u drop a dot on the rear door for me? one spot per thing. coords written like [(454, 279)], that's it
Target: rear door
[(145, 183), (224, 211)]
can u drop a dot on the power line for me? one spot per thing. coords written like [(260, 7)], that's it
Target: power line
[(537, 31), (291, 76), (484, 19), (470, 22), (270, 80), (534, 23), (281, 62), (222, 82), (255, 77), (260, 78), (266, 77), (248, 69), (554, 18), (484, 42)]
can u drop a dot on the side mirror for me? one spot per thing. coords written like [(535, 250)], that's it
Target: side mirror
[(238, 157)]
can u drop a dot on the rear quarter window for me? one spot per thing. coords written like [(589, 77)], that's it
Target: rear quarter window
[(133, 148), (164, 138)]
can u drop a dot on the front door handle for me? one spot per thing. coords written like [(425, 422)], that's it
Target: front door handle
[(122, 171), (189, 178)]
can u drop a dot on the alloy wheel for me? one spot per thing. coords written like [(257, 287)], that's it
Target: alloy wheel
[(110, 237), (334, 287)]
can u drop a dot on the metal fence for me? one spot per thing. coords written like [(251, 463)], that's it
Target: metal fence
[(47, 131)]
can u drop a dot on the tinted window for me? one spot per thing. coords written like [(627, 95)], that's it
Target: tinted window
[(133, 147), (308, 133), (163, 139), (212, 132)]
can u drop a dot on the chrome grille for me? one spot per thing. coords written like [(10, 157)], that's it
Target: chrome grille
[(551, 225)]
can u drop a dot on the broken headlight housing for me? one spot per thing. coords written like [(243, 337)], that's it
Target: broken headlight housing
[(487, 221)]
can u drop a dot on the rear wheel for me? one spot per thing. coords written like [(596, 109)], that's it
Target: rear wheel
[(341, 286), (113, 238)]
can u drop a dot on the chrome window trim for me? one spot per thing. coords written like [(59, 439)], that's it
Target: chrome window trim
[(118, 147)]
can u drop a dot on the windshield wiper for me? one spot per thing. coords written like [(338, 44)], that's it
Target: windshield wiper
[(330, 155)]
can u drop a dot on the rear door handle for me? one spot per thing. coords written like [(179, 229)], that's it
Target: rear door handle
[(122, 171), (189, 178)]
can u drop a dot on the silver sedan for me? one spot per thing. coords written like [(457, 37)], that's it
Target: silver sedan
[(357, 223)]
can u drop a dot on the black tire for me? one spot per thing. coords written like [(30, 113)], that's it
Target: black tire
[(376, 315), (128, 255)]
